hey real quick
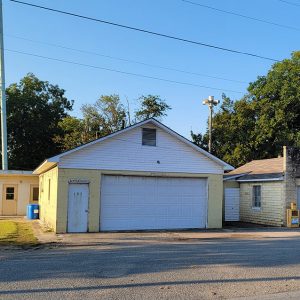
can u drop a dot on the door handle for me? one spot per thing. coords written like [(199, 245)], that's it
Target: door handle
[(86, 210)]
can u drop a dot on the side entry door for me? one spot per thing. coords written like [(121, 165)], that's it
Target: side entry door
[(78, 205)]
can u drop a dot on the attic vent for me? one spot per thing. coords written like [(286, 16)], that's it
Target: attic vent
[(149, 137)]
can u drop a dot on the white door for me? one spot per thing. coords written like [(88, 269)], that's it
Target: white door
[(78, 207), (137, 203), (232, 204), (298, 197)]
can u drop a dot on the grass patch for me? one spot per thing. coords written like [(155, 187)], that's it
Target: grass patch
[(17, 233), (7, 228)]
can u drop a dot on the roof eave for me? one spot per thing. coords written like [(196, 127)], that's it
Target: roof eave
[(226, 167), (16, 173), (260, 179), (45, 166), (233, 177), (57, 157)]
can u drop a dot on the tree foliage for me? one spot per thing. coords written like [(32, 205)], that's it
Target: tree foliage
[(39, 125), (151, 106), (34, 109), (105, 116), (73, 134), (265, 119)]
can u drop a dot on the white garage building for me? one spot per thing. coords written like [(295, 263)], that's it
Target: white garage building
[(145, 176)]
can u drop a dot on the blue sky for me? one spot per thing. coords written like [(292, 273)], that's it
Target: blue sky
[(173, 17)]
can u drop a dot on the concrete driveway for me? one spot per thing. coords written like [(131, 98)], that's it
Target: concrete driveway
[(164, 265)]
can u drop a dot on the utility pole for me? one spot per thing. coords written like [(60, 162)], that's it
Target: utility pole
[(210, 102), (3, 96)]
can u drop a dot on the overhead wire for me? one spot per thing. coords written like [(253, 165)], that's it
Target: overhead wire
[(185, 40), (241, 15), (124, 59), (119, 71), (290, 3)]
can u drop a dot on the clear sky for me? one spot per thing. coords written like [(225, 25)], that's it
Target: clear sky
[(173, 17)]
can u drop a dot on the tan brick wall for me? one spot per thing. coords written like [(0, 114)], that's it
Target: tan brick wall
[(272, 203)]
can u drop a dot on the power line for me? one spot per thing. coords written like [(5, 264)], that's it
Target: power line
[(144, 31), (290, 3), (124, 59), (120, 72), (242, 16)]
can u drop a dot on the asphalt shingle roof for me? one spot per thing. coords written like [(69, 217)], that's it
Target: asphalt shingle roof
[(262, 166)]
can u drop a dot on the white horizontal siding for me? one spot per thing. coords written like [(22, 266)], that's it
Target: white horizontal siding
[(232, 204), (125, 152)]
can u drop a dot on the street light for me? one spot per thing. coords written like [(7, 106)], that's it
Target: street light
[(210, 102)]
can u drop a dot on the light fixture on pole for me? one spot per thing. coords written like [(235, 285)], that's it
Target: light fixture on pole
[(210, 102)]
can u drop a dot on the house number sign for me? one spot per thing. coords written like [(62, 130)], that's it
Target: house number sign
[(79, 181)]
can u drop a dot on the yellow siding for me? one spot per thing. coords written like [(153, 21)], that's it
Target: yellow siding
[(64, 176), (48, 205), (215, 194), (272, 205), (215, 200), (23, 184)]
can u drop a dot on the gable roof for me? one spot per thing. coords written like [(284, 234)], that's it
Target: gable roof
[(258, 170), (53, 161), (262, 166)]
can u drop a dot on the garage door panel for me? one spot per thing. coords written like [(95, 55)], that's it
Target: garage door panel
[(133, 203)]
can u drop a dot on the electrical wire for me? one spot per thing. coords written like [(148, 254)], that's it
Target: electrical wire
[(242, 16), (290, 3), (145, 31), (124, 59), (120, 72)]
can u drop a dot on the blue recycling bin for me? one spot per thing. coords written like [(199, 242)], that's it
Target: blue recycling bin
[(33, 211)]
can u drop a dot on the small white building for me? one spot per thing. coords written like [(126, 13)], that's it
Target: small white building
[(17, 190), (260, 191), (143, 177)]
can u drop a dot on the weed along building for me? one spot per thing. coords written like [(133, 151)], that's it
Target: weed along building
[(145, 176)]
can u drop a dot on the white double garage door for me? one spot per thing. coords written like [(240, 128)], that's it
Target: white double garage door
[(141, 203)]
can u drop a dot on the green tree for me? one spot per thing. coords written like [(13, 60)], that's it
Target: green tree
[(34, 109), (107, 115), (151, 106), (200, 140), (265, 119), (74, 133)]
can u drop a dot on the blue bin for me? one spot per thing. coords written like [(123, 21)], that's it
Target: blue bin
[(33, 211)]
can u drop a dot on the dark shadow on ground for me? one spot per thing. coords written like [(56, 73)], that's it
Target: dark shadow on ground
[(120, 259), (247, 225), (146, 284)]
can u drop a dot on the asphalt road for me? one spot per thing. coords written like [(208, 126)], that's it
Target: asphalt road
[(149, 267)]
